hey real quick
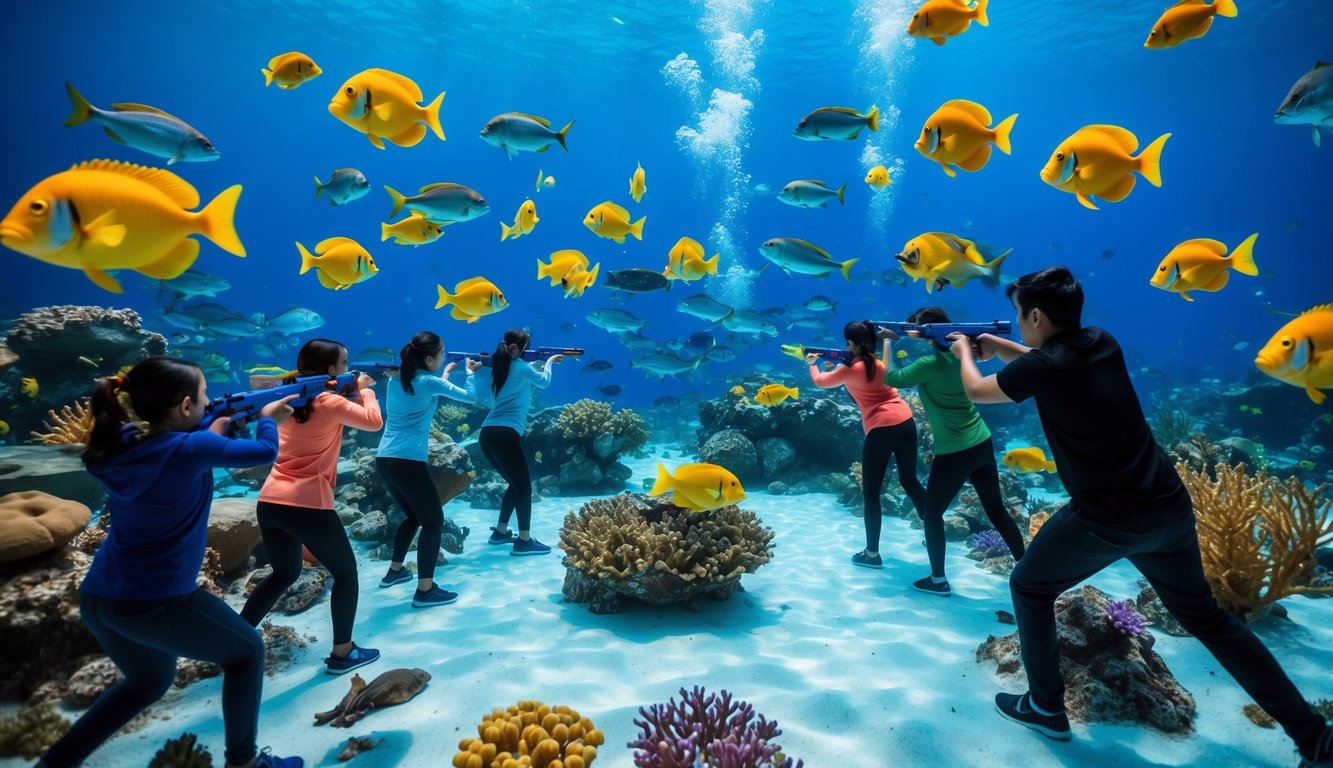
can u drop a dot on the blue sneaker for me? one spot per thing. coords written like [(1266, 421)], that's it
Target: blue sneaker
[(433, 597), (357, 657), (501, 538), (867, 561), (396, 577), (529, 547), (1019, 709), (266, 759)]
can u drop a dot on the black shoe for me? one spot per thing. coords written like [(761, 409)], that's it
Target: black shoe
[(529, 547), (358, 657), (930, 586), (433, 597), (396, 577), (867, 561), (1019, 709), (501, 538), (1323, 753)]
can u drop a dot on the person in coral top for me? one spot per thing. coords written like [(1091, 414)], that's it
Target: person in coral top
[(888, 424), (296, 503)]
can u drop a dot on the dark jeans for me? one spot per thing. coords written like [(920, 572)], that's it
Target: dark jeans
[(947, 473), (1070, 548), (898, 442), (503, 448), (144, 638), (285, 529), (413, 490)]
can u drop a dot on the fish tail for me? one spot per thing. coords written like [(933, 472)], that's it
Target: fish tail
[(219, 221), (505, 230), (561, 135), (539, 180), (1049, 467), (307, 261), (398, 200), (384, 231), (710, 265), (1150, 161), (1002, 134), (872, 118), (847, 269), (842, 189), (1242, 259), (663, 483), (319, 187), (636, 228), (83, 111), (433, 116), (543, 269), (795, 393), (445, 298), (268, 77), (992, 270), (1225, 8), (980, 10)]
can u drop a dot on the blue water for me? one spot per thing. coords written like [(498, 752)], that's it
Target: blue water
[(1228, 169)]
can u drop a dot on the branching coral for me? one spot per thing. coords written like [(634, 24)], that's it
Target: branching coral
[(586, 419), (531, 734), (989, 543), (1258, 535), (71, 426), (1200, 453), (706, 729), (1171, 426), (185, 752), (28, 733)]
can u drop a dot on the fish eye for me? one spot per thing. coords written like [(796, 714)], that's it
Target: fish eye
[(38, 207), (1294, 97), (350, 90), (1286, 342), (208, 144), (1162, 268), (1059, 155)]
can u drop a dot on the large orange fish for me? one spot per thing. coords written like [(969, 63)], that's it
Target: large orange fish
[(1186, 20), (940, 19), (1098, 161), (1301, 352), (384, 105), (959, 133)]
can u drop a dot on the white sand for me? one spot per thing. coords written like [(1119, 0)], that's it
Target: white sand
[(857, 668)]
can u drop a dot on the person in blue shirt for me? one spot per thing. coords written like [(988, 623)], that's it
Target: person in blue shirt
[(506, 388), (402, 463), (139, 597)]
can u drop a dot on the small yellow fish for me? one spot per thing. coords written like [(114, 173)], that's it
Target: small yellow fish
[(562, 263), (737, 390), (902, 353), (269, 370), (1028, 460), (544, 183), (289, 70), (612, 222), (537, 457), (1186, 20), (699, 487), (1203, 265), (29, 387), (1301, 353), (524, 221), (4, 427), (578, 280), (463, 429), (772, 394), (341, 263), (413, 230), (878, 177), (1097, 161), (685, 261), (940, 19), (472, 299), (384, 105), (638, 183)]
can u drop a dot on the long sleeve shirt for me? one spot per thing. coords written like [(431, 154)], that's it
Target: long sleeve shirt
[(510, 406), (954, 420), (407, 428), (307, 465), (880, 404)]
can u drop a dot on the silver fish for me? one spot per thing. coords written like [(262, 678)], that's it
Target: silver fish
[(836, 123), (516, 131), (664, 365), (704, 307), (145, 128), (809, 193), (615, 320), (347, 184), (443, 202), (1310, 101), (796, 255)]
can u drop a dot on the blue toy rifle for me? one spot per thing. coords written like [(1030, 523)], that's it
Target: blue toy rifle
[(940, 332), (799, 352), (372, 368), (246, 405), (531, 355)]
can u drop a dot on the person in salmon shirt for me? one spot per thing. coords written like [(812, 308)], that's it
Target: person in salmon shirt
[(887, 421), (296, 503)]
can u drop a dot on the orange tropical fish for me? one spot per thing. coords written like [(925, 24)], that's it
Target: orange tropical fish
[(1098, 160)]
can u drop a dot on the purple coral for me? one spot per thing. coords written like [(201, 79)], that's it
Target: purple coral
[(989, 543), (708, 729), (1125, 617)]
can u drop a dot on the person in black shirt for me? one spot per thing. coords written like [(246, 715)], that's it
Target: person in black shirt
[(1126, 501)]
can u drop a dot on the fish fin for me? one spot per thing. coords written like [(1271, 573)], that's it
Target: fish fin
[(307, 260), (1242, 259), (180, 191), (319, 188), (384, 231), (972, 108), (872, 118), (811, 246), (539, 180), (535, 118), (410, 137), (951, 173), (437, 185), (1214, 246), (977, 160), (130, 106), (180, 258), (846, 269), (323, 246), (1120, 190), (636, 228), (939, 40), (444, 299), (991, 276), (103, 231), (413, 90), (1225, 8), (539, 150), (1123, 138), (1084, 200), (1002, 132), (1186, 296), (710, 265), (1314, 134), (1203, 28), (268, 77), (1049, 467), (624, 214), (103, 280), (841, 190), (327, 281), (218, 220), (505, 230), (398, 200), (1150, 160), (980, 10), (470, 318), (1218, 282), (375, 140), (83, 111), (560, 136), (433, 116), (468, 283), (1314, 394)]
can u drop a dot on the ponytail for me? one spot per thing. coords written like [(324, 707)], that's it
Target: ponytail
[(316, 357), (413, 357), (140, 399), (515, 340), (862, 335), (931, 315)]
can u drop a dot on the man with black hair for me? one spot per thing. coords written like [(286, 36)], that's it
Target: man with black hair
[(1126, 501)]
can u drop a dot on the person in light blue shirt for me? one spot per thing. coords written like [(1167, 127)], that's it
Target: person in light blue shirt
[(402, 462), (506, 388)]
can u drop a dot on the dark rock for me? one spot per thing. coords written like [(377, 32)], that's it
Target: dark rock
[(40, 630), (371, 527), (1150, 606), (580, 473), (754, 421), (233, 531), (733, 450), (777, 488), (304, 591), (776, 456), (91, 681)]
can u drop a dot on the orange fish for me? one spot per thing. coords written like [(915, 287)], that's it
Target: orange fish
[(1098, 160), (1301, 353), (959, 134), (1186, 20), (940, 19)]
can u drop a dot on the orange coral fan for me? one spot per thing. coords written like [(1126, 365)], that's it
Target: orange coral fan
[(72, 425), (531, 735)]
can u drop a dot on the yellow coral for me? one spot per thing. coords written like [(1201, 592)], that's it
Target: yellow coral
[(531, 735), (71, 426), (587, 418)]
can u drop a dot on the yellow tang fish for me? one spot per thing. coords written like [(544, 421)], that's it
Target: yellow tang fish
[(384, 105), (612, 222), (1097, 160), (772, 394), (562, 263), (463, 429), (289, 70), (341, 263), (537, 457), (1028, 460), (524, 221), (699, 487), (943, 259), (4, 427), (1202, 265), (959, 133), (413, 230), (878, 177), (578, 280), (105, 214), (1301, 352), (29, 387), (685, 261), (544, 183), (939, 19), (737, 390), (1186, 20), (638, 183), (472, 299)]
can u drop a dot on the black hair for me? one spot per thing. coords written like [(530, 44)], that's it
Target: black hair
[(501, 360), (1054, 291), (152, 388), (413, 356), (861, 333), (931, 315), (316, 357)]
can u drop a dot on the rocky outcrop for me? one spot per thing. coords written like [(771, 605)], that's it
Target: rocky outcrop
[(39, 621), (234, 532), (730, 448), (32, 522)]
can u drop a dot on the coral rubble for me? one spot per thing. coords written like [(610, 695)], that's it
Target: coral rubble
[(531, 735)]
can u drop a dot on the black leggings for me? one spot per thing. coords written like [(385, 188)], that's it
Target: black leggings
[(898, 441), (285, 529), (503, 447), (947, 472), (413, 490)]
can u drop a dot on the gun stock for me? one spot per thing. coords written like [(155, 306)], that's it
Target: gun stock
[(246, 405), (941, 331), (531, 355)]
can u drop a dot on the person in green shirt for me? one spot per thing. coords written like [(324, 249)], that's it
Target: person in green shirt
[(963, 449)]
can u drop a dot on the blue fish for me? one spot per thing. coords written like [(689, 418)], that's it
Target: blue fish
[(347, 184), (145, 128)]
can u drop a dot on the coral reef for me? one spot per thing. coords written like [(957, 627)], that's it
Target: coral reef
[(71, 426), (988, 543), (367, 499), (575, 449), (281, 644), (184, 752), (1258, 535), (531, 734), (647, 548), (32, 522), (818, 434), (1199, 453), (706, 729), (1172, 426), (397, 686), (28, 733), (587, 418), (39, 622), (1125, 617)]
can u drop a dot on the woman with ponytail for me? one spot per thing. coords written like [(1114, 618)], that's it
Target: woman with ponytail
[(402, 463), (296, 503), (506, 388), (887, 421), (139, 597)]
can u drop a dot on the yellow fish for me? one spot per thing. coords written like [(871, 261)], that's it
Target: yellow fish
[(544, 183), (940, 19), (612, 222), (943, 259), (737, 390), (463, 429), (772, 394), (1028, 460), (384, 105), (29, 387), (638, 183), (562, 263), (472, 299), (524, 221), (413, 230), (537, 457), (1097, 160), (1186, 20), (1202, 265), (1301, 352), (902, 354), (4, 427), (290, 70), (878, 177), (959, 134), (341, 263), (105, 214), (578, 280), (699, 487), (685, 261)]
